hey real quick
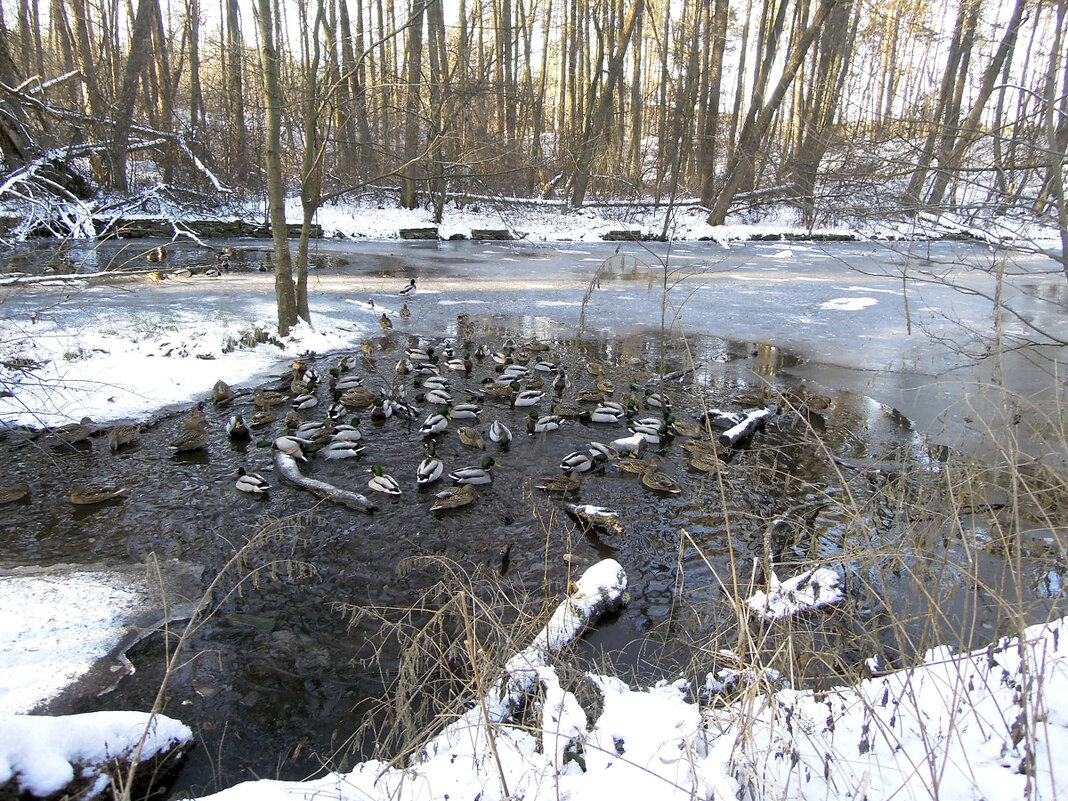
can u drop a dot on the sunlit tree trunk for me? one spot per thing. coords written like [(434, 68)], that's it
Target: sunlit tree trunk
[(284, 292), (599, 110), (412, 128), (757, 122), (140, 53)]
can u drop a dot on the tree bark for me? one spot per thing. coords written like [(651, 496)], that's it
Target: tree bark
[(414, 52), (756, 125), (969, 132), (140, 52), (599, 112), (272, 90)]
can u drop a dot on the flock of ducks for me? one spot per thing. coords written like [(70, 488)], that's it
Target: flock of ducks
[(467, 389), (473, 391)]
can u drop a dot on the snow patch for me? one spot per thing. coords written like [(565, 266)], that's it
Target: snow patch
[(848, 304)]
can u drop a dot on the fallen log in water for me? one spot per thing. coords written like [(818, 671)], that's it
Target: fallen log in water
[(743, 430), (287, 468), (599, 590)]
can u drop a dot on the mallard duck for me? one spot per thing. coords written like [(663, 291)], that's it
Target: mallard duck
[(660, 482), (594, 368), (454, 497), (252, 483), (607, 451), (652, 430), (291, 446), (266, 398), (348, 432), (381, 409), (383, 482), (474, 475), (657, 400), (409, 290), (683, 428), (560, 383), (698, 446), (194, 418), (500, 433), (528, 397), (545, 366), (431, 468), (341, 449), (156, 255), (436, 397), (472, 438), (590, 396), (405, 312), (262, 419), (431, 382), (435, 423), (236, 428), (537, 346), (465, 411), (589, 517), (305, 400), (221, 393), (604, 414), (121, 435), (14, 492), (579, 462), (568, 409), (190, 440), (536, 424), (629, 463), (568, 482), (86, 493), (417, 355), (385, 322), (357, 398), (605, 386), (704, 461), (343, 383)]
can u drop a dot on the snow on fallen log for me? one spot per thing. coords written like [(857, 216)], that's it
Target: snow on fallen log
[(80, 755), (287, 468), (809, 590), (599, 590), (743, 430)]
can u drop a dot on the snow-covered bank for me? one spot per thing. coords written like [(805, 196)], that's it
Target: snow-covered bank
[(988, 724), (59, 623), (81, 754)]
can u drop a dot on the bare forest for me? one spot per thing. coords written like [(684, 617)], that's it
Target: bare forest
[(838, 107)]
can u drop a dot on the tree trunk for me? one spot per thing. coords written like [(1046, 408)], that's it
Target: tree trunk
[(706, 149), (414, 52), (945, 115), (958, 143), (140, 46), (235, 93), (756, 125), (598, 115), (272, 92)]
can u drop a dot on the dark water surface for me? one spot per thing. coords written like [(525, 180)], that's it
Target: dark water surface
[(280, 679)]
